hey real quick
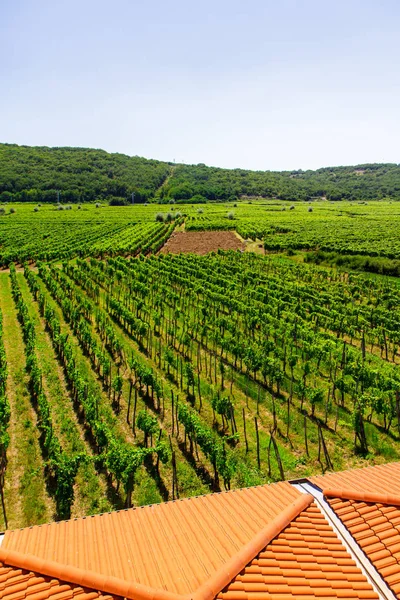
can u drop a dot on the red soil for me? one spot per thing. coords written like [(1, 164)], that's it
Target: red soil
[(202, 242)]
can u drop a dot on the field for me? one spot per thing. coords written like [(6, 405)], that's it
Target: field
[(202, 242), (131, 376)]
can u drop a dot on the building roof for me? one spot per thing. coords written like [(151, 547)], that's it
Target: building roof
[(272, 540), (379, 479), (175, 546), (306, 560), (19, 583), (376, 528)]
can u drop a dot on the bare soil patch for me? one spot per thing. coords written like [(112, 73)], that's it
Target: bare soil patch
[(202, 242)]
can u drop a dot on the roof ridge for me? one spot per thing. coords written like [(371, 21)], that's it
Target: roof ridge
[(88, 579), (349, 494), (135, 591), (234, 565)]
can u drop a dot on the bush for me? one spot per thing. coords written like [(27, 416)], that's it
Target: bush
[(117, 201), (198, 199)]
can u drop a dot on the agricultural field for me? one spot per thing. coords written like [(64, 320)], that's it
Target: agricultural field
[(131, 376)]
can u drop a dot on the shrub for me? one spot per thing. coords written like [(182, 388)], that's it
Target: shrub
[(117, 201), (198, 199)]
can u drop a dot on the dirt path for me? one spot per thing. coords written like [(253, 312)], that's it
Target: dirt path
[(165, 182), (26, 499)]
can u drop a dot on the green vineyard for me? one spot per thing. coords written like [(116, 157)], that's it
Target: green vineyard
[(131, 377)]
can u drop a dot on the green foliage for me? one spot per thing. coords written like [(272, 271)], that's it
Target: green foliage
[(32, 174), (147, 423)]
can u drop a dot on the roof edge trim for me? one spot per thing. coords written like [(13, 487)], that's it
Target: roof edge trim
[(87, 579), (349, 494), (211, 588)]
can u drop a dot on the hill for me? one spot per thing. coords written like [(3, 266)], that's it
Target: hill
[(34, 174), (83, 175)]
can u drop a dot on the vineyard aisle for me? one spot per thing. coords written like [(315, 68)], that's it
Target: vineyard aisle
[(90, 489), (27, 502)]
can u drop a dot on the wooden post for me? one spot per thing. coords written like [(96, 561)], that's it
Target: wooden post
[(278, 458), (176, 416), (173, 412), (244, 431), (305, 434), (258, 443), (129, 400), (134, 414), (199, 392)]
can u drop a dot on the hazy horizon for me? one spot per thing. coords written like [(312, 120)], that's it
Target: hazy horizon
[(265, 86)]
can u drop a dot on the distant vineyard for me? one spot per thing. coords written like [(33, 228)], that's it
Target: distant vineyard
[(53, 236), (369, 230)]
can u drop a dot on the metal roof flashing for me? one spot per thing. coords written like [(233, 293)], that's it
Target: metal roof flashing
[(362, 561)]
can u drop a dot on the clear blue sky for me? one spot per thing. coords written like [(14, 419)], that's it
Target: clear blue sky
[(255, 84)]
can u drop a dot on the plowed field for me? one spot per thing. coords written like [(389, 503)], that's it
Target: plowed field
[(202, 242)]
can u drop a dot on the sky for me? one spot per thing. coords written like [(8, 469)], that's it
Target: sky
[(256, 84)]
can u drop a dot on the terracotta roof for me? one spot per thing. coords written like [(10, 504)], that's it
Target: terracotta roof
[(176, 547), (383, 479), (270, 540), (18, 583), (306, 560), (376, 528)]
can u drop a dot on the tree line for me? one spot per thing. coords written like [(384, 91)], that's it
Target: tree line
[(75, 175)]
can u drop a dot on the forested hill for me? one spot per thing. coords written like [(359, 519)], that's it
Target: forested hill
[(81, 174)]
